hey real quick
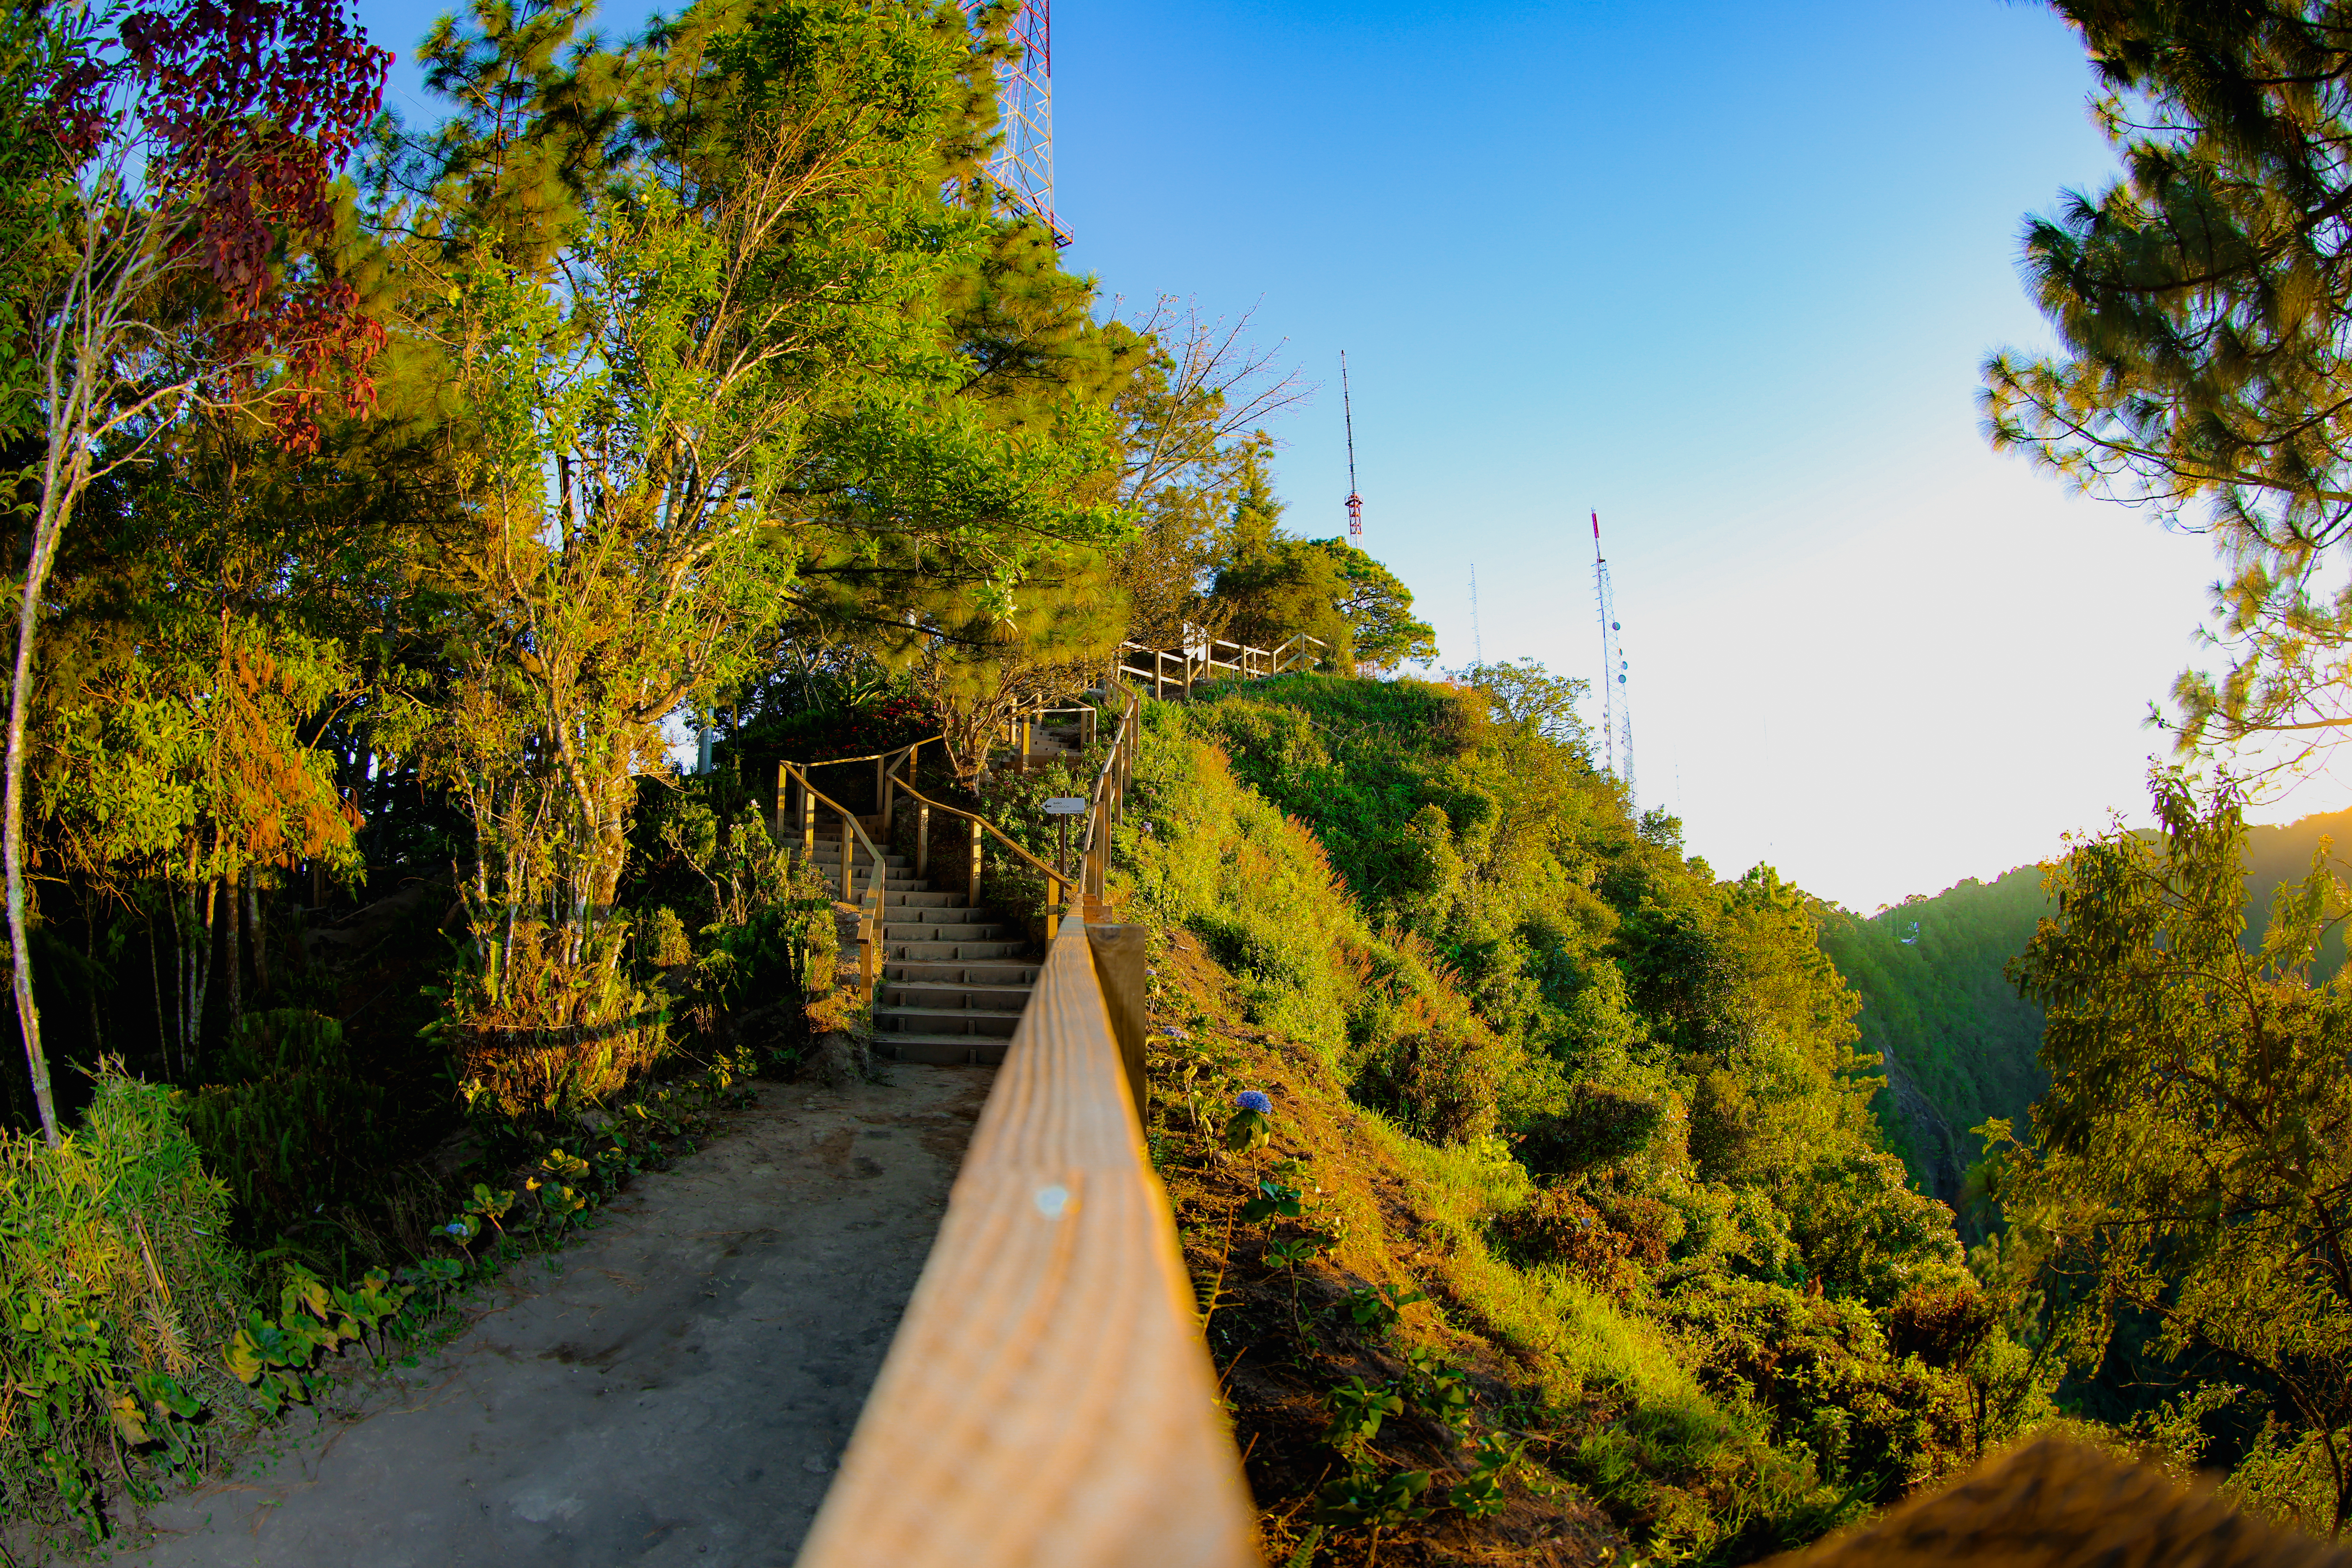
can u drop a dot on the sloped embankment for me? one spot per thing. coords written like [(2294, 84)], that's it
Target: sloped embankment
[(1422, 1366)]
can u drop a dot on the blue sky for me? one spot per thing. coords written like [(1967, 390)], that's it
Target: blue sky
[(1724, 272)]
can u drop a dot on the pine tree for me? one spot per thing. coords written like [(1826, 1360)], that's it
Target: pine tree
[(2204, 302)]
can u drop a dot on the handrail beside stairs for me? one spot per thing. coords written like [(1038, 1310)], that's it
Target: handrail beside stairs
[(1049, 1401)]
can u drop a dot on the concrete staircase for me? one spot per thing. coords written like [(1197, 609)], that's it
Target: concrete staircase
[(954, 977)]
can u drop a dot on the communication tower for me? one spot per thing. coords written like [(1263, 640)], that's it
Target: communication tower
[(1024, 164), (1616, 709), (1348, 411), (1477, 641)]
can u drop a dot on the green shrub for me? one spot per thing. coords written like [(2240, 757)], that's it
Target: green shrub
[(1599, 1124), (117, 1292), (289, 1126), (1441, 1083)]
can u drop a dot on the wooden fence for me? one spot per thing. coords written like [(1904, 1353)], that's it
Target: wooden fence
[(1057, 883), (1106, 806), (1179, 668), (1049, 1401), (853, 831), (1067, 888)]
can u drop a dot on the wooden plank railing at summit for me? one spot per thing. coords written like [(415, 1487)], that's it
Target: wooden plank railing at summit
[(1301, 652), (1049, 1401)]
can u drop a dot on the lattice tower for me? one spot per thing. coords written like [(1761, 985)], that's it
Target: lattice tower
[(1024, 164), (1616, 707), (1355, 502), (1477, 639)]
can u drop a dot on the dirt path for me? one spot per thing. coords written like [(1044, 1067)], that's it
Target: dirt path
[(675, 1388)]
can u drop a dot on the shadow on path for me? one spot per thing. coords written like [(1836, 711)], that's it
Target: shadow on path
[(675, 1388)]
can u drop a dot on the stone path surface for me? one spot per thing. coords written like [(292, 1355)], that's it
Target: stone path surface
[(677, 1389)]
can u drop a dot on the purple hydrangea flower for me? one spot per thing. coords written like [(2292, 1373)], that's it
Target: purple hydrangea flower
[(1253, 1099)]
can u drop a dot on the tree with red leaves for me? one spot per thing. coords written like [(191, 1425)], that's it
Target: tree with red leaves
[(196, 148)]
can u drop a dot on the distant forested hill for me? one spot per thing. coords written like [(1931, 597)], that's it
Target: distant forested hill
[(1960, 1046)]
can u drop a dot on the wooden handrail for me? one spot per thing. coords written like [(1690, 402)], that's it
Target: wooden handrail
[(1057, 882), (877, 757), (1048, 1399), (1109, 801), (869, 909)]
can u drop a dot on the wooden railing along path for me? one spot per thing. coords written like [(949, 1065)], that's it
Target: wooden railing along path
[(893, 769), (869, 908), (1049, 1401)]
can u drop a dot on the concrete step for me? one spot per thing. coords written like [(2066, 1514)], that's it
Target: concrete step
[(942, 1050), (901, 877), (916, 930), (924, 898), (932, 995), (993, 1025), (896, 915), (958, 972), (858, 879), (949, 952), (830, 854)]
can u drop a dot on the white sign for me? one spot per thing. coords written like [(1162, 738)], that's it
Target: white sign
[(1065, 806)]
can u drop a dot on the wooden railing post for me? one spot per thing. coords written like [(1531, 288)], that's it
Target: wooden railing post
[(889, 788), (848, 892), (879, 804), (808, 820), (974, 898), (1119, 964), (923, 839)]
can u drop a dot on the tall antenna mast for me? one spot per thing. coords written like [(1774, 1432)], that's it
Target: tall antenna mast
[(1478, 643), (1616, 709), (1024, 164), (1355, 502)]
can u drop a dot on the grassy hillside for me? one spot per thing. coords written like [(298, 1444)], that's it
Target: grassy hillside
[(1571, 1229), (1960, 1044)]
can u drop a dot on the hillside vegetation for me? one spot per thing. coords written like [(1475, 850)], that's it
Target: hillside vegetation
[(1571, 1222)]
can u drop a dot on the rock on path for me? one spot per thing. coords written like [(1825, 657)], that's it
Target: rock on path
[(677, 1388)]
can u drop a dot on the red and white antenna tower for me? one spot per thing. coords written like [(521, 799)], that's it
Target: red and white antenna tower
[(1348, 411), (1024, 164), (1616, 709)]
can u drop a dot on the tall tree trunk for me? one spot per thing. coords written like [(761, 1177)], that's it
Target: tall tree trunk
[(89, 992), (163, 1041), (204, 952), (261, 934), (48, 526), (232, 958), (184, 953), (195, 971)]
